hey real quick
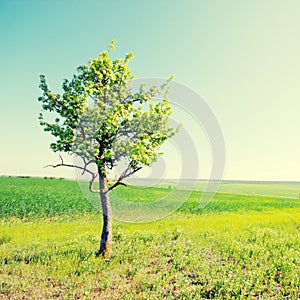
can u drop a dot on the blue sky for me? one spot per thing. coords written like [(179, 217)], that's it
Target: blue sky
[(242, 57)]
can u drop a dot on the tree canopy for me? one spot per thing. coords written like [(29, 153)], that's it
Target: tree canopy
[(102, 120)]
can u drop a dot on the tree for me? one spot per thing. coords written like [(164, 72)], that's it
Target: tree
[(99, 119)]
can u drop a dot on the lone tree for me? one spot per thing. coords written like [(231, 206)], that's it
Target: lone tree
[(101, 120)]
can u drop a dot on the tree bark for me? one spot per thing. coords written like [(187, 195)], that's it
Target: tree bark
[(106, 236)]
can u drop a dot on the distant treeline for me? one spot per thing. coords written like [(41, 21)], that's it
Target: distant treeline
[(27, 176)]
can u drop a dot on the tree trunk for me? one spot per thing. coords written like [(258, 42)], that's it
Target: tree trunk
[(106, 236)]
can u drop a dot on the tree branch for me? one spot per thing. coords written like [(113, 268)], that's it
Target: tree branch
[(116, 184), (69, 165), (124, 175), (84, 169), (94, 176), (93, 98)]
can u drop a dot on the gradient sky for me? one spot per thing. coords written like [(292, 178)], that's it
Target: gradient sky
[(242, 57)]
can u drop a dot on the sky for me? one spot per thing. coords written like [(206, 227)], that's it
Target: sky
[(241, 57)]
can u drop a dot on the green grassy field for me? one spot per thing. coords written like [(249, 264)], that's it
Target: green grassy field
[(273, 189), (237, 247)]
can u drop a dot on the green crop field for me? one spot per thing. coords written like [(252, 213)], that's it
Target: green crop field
[(275, 189), (241, 245)]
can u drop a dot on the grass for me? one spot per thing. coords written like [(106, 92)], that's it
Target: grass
[(273, 189), (237, 247), (33, 198), (30, 198)]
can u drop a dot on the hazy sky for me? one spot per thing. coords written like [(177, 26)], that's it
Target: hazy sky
[(242, 57)]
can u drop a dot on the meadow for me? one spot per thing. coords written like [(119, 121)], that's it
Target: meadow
[(239, 246)]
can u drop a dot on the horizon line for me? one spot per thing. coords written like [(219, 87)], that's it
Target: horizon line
[(249, 181)]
